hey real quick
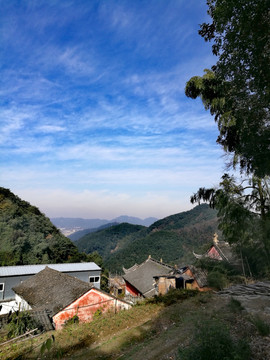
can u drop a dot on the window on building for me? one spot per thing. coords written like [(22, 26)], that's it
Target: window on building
[(2, 285), (93, 279)]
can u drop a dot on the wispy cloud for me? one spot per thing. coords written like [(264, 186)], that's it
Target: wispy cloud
[(93, 105), (51, 128)]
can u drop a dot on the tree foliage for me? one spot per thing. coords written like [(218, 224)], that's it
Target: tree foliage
[(244, 216), (20, 322), (29, 237), (237, 89), (237, 92)]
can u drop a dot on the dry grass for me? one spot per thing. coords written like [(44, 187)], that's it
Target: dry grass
[(148, 331), (78, 336)]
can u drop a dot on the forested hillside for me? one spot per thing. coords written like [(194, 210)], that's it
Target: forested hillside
[(79, 234), (173, 239), (28, 237), (109, 240)]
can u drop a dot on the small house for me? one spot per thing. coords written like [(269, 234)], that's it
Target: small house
[(11, 276), (199, 277), (175, 280), (187, 277), (139, 279), (64, 297)]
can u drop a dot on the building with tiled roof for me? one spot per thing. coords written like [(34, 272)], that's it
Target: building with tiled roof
[(139, 279), (64, 296)]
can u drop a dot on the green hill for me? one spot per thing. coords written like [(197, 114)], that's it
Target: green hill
[(79, 234), (28, 237), (173, 239), (110, 240)]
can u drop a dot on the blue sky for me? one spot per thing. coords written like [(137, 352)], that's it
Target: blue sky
[(94, 119)]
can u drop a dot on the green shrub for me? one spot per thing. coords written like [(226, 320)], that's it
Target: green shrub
[(237, 279), (217, 280), (212, 341), (73, 320), (172, 296), (97, 314), (20, 322), (235, 305), (262, 327)]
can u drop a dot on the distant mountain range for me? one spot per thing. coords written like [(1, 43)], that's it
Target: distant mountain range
[(69, 226), (173, 239), (78, 234), (28, 237)]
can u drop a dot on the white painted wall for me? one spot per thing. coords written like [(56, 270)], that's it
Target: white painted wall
[(22, 304)]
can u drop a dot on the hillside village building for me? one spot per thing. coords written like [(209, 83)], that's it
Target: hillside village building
[(64, 296), (219, 250), (187, 277), (139, 279), (153, 277)]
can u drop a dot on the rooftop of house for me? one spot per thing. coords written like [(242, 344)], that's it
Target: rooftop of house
[(134, 267), (51, 290), (142, 276), (34, 269), (223, 249), (199, 275)]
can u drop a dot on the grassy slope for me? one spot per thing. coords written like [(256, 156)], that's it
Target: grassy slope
[(148, 332)]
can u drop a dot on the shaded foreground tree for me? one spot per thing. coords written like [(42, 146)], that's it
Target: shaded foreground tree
[(244, 217), (237, 88), (237, 92)]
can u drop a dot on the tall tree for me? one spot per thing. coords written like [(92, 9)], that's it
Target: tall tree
[(237, 92), (237, 89), (244, 216)]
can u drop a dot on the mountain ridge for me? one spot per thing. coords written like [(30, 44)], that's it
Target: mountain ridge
[(68, 222), (173, 239)]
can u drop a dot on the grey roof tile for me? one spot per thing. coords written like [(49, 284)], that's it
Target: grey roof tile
[(142, 276), (51, 290)]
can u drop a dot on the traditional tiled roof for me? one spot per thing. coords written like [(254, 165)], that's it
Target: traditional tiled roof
[(199, 275), (142, 276), (51, 290), (175, 276), (224, 250), (134, 267)]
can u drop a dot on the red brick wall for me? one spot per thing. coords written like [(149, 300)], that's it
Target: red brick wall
[(87, 305)]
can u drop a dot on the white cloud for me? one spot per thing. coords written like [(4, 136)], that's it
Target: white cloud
[(51, 128), (104, 204), (94, 107)]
